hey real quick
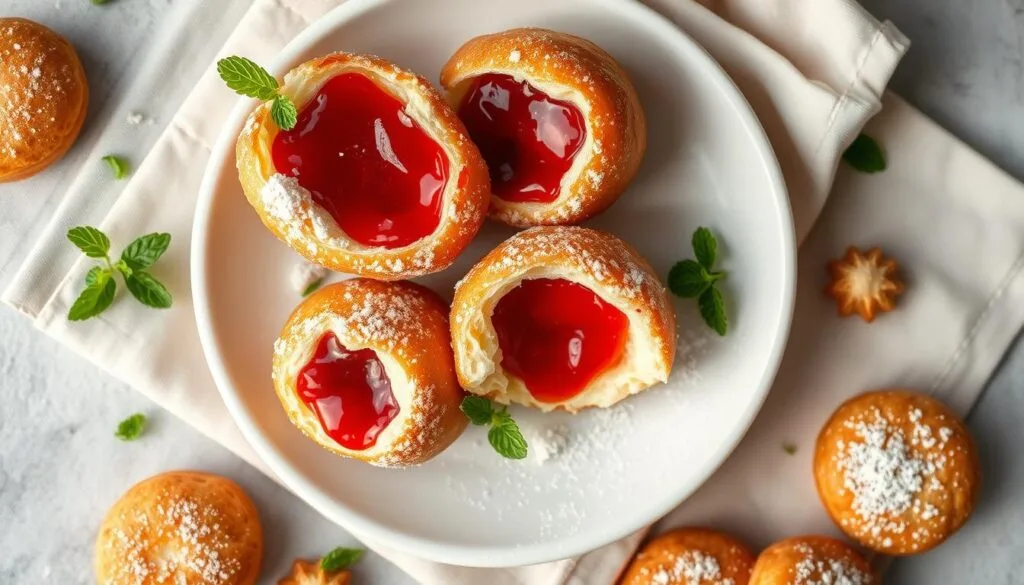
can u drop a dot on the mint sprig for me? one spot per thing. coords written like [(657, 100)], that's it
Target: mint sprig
[(100, 285), (696, 279), (131, 428), (246, 77), (504, 434), (865, 155)]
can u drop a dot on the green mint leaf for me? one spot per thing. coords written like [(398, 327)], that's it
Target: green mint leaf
[(100, 2), (712, 308), (688, 279), (148, 290), (789, 448), (118, 165), (94, 299), (97, 274), (340, 558), (313, 287), (705, 247), (131, 428), (91, 241), (506, 438), (247, 78), (865, 155), (284, 113), (477, 409), (145, 250)]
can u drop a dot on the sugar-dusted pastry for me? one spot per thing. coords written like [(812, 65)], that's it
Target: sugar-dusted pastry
[(690, 556), (364, 368), (181, 527), (45, 97), (562, 317), (377, 178), (864, 283), (897, 471), (556, 118), (811, 560)]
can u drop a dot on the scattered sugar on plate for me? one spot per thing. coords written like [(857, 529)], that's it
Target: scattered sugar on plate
[(137, 119)]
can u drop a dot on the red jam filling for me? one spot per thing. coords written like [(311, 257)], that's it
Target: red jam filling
[(527, 138), (556, 336), (349, 391), (366, 162)]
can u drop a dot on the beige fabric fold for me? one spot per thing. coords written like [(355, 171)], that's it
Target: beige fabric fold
[(815, 72)]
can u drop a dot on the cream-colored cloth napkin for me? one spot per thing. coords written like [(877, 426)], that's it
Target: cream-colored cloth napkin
[(815, 71)]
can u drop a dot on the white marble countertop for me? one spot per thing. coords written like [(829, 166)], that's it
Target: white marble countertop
[(60, 467)]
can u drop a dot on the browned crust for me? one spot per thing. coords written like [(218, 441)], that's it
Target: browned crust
[(570, 249), (659, 556), (952, 496), (206, 519), (45, 100), (776, 565), (467, 204), (405, 321), (616, 119)]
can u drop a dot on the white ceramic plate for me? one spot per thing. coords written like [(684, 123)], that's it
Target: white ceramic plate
[(708, 163)]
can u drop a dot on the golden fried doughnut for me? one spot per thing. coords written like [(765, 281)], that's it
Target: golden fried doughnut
[(556, 118), (43, 97), (378, 178), (690, 556), (562, 317), (811, 560), (897, 471), (180, 527), (364, 368)]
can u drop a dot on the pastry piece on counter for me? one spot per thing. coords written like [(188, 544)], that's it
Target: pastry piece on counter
[(690, 556), (897, 471), (181, 527), (556, 118), (562, 318), (45, 97), (810, 560)]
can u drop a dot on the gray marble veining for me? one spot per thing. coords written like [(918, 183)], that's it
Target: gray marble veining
[(60, 467)]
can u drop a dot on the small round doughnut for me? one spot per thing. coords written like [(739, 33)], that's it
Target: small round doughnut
[(562, 318), (365, 369), (378, 178), (690, 556), (811, 560), (45, 97), (897, 471), (557, 120), (181, 527)]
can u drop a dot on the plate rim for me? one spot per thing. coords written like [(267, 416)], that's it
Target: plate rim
[(466, 555)]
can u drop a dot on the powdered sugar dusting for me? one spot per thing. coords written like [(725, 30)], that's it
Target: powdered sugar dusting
[(815, 569), (184, 538), (888, 473), (692, 567)]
